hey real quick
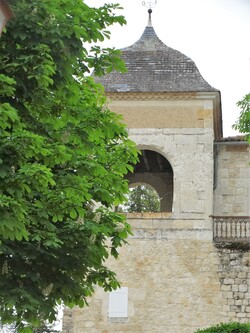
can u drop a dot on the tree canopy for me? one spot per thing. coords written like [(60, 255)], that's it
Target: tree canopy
[(243, 122), (142, 198), (62, 152)]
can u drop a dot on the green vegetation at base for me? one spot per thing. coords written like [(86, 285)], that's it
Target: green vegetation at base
[(227, 328)]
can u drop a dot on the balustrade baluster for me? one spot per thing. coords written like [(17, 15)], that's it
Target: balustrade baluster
[(231, 229), (216, 229), (226, 230), (245, 228)]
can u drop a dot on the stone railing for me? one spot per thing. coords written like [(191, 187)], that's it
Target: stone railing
[(231, 231)]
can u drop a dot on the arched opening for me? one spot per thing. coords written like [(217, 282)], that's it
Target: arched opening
[(154, 170)]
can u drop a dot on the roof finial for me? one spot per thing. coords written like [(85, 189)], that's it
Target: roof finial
[(149, 4), (149, 17)]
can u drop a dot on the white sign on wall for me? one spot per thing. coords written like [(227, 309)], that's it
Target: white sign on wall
[(118, 303)]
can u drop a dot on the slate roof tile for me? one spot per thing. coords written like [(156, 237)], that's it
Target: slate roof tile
[(155, 67)]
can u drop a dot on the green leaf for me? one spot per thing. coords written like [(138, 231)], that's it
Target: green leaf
[(73, 214)]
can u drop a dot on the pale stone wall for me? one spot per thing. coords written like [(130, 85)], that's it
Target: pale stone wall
[(170, 265), (167, 110), (232, 192), (171, 269), (181, 128), (178, 281), (234, 274), (190, 153)]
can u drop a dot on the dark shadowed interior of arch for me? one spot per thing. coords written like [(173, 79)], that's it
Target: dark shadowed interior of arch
[(155, 170)]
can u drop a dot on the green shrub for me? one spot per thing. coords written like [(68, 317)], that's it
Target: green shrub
[(227, 328)]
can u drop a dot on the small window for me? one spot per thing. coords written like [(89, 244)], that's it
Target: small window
[(118, 303)]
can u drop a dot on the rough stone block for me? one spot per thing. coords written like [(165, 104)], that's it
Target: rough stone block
[(226, 287), (235, 287), (243, 288), (228, 281), (242, 275)]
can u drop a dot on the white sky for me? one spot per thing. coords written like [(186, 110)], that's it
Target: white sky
[(215, 34)]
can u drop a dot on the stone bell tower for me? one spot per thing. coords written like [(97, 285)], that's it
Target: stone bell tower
[(169, 269), (173, 115)]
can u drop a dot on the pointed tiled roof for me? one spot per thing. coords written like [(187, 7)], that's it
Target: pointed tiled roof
[(155, 67)]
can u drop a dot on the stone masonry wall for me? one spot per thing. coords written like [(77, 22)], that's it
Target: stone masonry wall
[(171, 270), (170, 265), (232, 179), (178, 281), (165, 110), (190, 153), (234, 275)]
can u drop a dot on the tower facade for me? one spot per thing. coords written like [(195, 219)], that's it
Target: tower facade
[(187, 266)]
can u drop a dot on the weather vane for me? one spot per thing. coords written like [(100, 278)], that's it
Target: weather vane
[(149, 4)]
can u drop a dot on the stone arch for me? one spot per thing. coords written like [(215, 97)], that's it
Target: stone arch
[(159, 149), (155, 170), (141, 183)]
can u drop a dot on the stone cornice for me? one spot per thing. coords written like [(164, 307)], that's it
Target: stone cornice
[(155, 96)]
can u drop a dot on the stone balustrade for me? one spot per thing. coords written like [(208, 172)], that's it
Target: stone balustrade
[(232, 230)]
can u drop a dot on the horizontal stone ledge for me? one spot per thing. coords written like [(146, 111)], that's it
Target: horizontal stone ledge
[(149, 215), (157, 234), (165, 224), (229, 217), (243, 244), (167, 216)]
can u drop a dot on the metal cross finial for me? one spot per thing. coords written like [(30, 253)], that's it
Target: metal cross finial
[(149, 4)]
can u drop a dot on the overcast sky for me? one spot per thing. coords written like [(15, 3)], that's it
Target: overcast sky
[(215, 34)]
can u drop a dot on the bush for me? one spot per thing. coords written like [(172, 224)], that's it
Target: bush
[(227, 328)]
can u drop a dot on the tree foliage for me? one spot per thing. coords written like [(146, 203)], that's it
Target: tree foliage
[(142, 199), (61, 151), (243, 122), (44, 328), (227, 328)]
